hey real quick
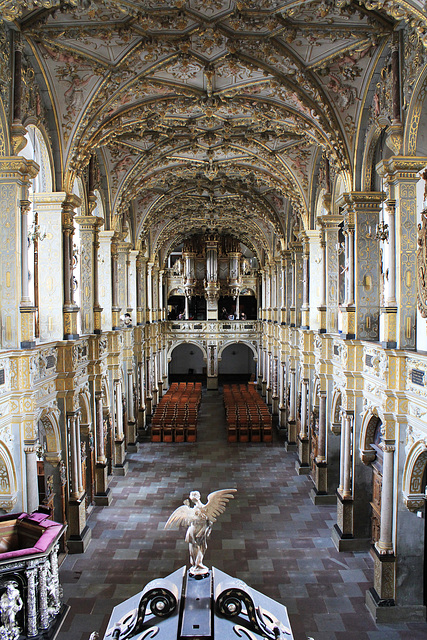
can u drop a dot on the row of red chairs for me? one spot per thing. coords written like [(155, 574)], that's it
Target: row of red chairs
[(175, 418), (247, 415)]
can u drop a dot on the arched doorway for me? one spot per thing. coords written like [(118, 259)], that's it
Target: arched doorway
[(236, 363), (187, 363)]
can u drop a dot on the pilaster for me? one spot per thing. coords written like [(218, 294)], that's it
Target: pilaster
[(400, 174), (49, 207), (17, 312), (105, 278), (70, 309)]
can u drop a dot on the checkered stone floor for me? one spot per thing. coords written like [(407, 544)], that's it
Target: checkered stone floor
[(271, 536)]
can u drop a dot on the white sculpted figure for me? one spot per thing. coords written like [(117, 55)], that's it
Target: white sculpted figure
[(10, 605), (199, 520)]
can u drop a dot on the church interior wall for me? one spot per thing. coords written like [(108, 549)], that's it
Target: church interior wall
[(339, 335)]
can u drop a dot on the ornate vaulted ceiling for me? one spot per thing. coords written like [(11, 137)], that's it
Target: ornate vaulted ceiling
[(209, 114)]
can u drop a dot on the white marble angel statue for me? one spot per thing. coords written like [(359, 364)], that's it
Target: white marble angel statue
[(199, 520)]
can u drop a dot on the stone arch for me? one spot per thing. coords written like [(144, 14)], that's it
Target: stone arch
[(370, 422), (4, 133), (38, 149), (370, 146), (415, 464), (8, 488), (200, 345), (49, 420), (319, 206), (315, 393), (99, 210), (85, 407), (336, 411), (342, 185), (106, 393), (231, 342), (414, 115)]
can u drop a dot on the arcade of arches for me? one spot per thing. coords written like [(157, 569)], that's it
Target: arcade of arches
[(239, 182)]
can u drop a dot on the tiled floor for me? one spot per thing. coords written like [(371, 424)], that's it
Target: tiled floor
[(271, 536)]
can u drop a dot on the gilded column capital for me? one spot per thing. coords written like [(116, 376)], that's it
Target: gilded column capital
[(18, 167), (399, 168), (70, 203), (330, 221)]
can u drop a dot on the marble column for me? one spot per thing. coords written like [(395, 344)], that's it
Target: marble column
[(78, 533), (292, 430), (302, 465), (275, 388), (150, 317), (123, 249), (162, 310), (140, 315), (282, 390), (382, 596), (130, 403), (323, 282), (31, 477), (74, 456), (305, 308), (283, 291), (319, 493), (105, 277), (132, 286), (115, 307), (385, 543), (70, 309), (102, 491), (293, 306), (120, 466)]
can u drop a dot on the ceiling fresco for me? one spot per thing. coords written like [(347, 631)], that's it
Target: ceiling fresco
[(209, 114)]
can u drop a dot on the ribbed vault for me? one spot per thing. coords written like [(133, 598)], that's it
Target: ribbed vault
[(213, 114)]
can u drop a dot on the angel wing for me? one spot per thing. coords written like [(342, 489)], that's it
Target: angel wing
[(217, 501), (181, 517)]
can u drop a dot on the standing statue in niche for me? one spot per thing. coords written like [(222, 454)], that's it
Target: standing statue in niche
[(177, 267), (199, 520), (10, 604), (246, 267)]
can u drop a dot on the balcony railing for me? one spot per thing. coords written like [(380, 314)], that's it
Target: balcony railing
[(213, 326)]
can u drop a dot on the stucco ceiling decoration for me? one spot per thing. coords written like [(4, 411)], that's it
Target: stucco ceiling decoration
[(208, 90)]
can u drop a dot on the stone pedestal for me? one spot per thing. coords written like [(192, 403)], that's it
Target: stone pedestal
[(102, 492), (120, 466), (388, 324), (348, 320), (291, 444), (302, 464), (343, 532), (148, 406), (381, 598), (319, 494), (70, 322), (79, 533), (275, 405), (212, 382), (132, 436)]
